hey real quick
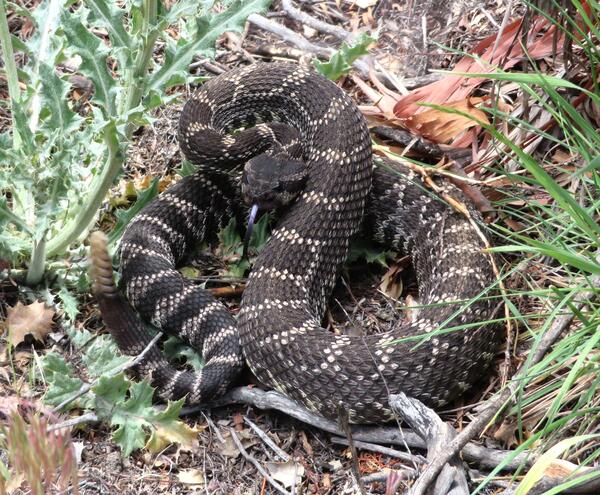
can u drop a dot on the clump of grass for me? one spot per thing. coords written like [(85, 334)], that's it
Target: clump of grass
[(549, 228), (44, 458)]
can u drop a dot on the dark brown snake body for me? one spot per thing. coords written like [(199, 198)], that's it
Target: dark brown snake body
[(278, 328)]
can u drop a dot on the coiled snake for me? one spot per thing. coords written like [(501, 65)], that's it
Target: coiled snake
[(314, 151)]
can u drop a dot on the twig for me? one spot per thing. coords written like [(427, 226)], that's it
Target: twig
[(301, 42), (386, 475), (265, 438), (505, 19), (345, 425), (373, 447), (227, 291), (315, 23), (289, 36), (114, 372), (261, 399), (79, 420), (214, 428), (256, 464), (496, 403)]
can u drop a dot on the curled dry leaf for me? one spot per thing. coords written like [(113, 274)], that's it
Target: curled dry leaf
[(391, 283), (34, 319), (441, 126), (287, 473)]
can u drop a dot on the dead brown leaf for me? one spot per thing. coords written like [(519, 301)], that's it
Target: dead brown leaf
[(442, 127), (34, 319), (307, 447), (229, 448), (505, 54), (288, 473)]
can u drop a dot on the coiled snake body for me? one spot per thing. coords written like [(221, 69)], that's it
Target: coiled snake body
[(278, 328)]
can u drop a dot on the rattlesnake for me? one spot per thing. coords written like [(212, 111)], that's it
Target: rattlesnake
[(278, 330)]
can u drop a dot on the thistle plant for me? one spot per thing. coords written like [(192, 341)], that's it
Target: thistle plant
[(57, 162)]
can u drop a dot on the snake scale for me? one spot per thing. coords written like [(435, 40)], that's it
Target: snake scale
[(290, 113)]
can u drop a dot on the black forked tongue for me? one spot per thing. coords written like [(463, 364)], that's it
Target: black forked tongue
[(250, 226)]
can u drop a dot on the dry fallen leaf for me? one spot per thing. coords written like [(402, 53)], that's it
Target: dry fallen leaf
[(391, 283), (180, 433), (441, 126), (34, 319), (191, 477), (229, 448), (287, 473)]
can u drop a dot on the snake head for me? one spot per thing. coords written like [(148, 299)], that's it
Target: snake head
[(270, 182), (273, 181)]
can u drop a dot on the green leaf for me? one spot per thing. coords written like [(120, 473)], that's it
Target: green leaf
[(186, 168), (260, 234), (134, 416), (175, 348), (362, 249), (54, 363), (110, 390), (93, 53), (207, 29), (110, 16), (22, 126), (45, 45), (124, 216), (341, 61), (565, 256), (182, 8), (69, 303), (239, 268), (593, 165), (230, 238), (61, 383), (127, 414), (56, 110), (61, 388), (103, 356)]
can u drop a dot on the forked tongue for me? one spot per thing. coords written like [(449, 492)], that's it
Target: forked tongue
[(248, 235)]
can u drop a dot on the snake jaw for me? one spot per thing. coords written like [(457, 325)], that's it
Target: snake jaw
[(249, 227)]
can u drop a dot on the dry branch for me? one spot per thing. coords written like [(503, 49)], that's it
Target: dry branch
[(472, 452), (428, 425), (256, 464)]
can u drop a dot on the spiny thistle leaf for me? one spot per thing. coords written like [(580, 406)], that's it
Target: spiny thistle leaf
[(61, 383), (340, 62), (178, 55), (54, 97), (45, 45), (110, 16), (93, 53), (129, 407), (102, 356), (69, 303)]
